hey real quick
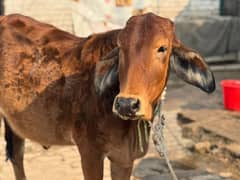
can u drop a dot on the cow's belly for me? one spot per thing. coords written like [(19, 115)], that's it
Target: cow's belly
[(43, 119), (40, 128)]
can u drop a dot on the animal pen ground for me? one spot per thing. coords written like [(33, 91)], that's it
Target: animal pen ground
[(202, 138), (63, 162)]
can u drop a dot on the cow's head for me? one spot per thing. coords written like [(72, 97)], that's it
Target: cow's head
[(141, 62)]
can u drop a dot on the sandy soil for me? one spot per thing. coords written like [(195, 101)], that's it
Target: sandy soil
[(63, 163)]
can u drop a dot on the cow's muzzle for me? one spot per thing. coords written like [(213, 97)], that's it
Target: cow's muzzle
[(129, 107)]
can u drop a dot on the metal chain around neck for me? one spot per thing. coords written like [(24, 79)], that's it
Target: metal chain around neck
[(158, 135)]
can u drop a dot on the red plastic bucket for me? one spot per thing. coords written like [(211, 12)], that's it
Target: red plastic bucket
[(231, 94)]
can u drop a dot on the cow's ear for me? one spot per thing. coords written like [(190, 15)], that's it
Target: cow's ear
[(106, 73), (191, 67)]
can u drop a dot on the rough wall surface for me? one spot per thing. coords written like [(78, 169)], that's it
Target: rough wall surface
[(62, 13), (55, 12)]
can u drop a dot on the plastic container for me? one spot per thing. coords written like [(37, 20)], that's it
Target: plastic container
[(231, 94)]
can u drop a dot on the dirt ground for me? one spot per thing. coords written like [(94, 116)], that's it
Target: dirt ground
[(64, 162)]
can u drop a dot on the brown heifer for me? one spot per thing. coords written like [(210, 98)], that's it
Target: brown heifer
[(56, 90)]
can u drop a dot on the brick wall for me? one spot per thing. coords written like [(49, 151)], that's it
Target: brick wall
[(59, 12), (55, 12)]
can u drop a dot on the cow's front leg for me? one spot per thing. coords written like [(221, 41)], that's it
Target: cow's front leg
[(121, 172), (92, 162)]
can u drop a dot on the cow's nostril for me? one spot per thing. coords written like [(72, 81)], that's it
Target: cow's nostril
[(117, 104), (135, 105)]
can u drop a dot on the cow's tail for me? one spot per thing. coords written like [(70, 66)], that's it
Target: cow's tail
[(9, 140)]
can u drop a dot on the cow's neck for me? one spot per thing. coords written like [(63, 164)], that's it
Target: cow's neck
[(89, 51), (94, 48)]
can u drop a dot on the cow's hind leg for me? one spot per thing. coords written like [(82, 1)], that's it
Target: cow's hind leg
[(15, 152), (120, 172)]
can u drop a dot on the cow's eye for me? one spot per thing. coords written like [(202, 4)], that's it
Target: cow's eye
[(162, 49)]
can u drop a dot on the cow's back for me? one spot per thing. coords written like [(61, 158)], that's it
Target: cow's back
[(39, 73)]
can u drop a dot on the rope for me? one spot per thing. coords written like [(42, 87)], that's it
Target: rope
[(140, 136), (146, 131)]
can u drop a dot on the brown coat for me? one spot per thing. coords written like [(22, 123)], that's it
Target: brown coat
[(58, 89), (47, 94)]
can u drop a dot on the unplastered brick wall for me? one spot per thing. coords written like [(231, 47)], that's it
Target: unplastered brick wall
[(59, 12), (186, 8), (55, 12)]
